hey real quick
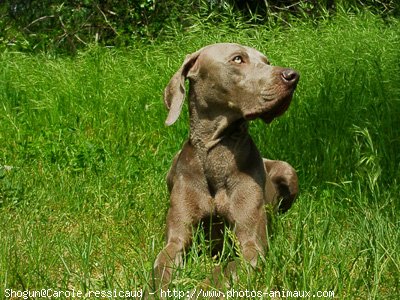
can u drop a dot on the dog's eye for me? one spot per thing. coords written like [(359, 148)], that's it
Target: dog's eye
[(238, 59)]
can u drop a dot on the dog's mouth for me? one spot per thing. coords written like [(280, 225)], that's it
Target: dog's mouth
[(271, 112)]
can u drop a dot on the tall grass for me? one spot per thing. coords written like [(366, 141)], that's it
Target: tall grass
[(84, 154)]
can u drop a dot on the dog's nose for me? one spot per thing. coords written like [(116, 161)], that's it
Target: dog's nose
[(290, 76)]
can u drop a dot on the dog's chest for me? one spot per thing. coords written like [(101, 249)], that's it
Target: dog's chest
[(218, 165), (221, 166)]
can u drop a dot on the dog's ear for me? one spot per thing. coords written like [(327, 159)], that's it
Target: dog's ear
[(174, 93)]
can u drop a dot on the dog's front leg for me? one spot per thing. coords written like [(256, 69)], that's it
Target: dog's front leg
[(182, 216), (250, 220), (247, 215), (169, 258)]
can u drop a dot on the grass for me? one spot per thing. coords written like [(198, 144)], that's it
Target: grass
[(84, 153)]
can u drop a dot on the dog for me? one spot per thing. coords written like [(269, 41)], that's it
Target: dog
[(219, 171)]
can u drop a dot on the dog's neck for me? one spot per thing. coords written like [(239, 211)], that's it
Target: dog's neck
[(209, 130)]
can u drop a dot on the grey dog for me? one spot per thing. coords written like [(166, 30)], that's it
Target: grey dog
[(219, 171)]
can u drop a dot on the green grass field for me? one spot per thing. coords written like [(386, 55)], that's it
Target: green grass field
[(84, 153)]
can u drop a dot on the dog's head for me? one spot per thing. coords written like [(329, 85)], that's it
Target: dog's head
[(232, 79)]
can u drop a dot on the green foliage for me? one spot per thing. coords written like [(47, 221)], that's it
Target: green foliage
[(72, 25), (67, 26)]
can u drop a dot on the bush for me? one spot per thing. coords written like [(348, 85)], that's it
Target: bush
[(66, 26)]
